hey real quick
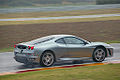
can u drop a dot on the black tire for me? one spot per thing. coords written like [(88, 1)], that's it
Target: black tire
[(47, 59), (99, 55)]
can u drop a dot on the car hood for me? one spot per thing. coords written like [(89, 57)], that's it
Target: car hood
[(100, 43)]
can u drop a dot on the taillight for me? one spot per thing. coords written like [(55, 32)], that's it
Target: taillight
[(31, 47), (28, 47), (14, 46)]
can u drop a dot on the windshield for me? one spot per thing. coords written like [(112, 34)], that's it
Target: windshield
[(40, 40)]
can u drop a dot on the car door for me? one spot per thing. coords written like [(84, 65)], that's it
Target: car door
[(62, 48), (77, 48)]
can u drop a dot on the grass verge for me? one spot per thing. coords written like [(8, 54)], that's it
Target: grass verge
[(101, 72), (59, 13), (59, 20)]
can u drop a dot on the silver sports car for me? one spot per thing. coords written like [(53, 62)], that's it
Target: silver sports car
[(49, 49)]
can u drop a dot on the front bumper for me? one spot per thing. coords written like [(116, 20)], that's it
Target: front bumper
[(110, 52)]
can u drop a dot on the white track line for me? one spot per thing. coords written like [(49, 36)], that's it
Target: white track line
[(64, 17)]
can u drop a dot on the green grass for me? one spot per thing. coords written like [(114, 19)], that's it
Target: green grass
[(58, 13), (101, 72), (10, 49), (59, 20), (112, 42), (36, 3)]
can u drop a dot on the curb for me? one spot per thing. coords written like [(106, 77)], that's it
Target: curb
[(51, 68), (61, 67)]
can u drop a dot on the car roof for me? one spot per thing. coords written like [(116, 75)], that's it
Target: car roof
[(47, 38), (60, 35)]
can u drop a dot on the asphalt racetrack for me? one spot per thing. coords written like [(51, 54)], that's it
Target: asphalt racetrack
[(8, 64), (59, 8)]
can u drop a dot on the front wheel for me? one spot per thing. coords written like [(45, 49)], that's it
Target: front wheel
[(47, 59), (99, 55)]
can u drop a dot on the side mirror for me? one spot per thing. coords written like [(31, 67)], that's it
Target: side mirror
[(85, 43)]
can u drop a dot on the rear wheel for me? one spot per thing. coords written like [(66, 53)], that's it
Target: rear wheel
[(47, 59), (99, 55)]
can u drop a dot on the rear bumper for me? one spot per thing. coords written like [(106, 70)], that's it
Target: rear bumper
[(21, 59), (26, 60)]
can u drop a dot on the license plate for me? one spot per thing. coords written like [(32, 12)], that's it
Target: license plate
[(20, 54), (20, 51)]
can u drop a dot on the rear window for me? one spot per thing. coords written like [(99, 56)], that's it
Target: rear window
[(40, 40), (60, 41)]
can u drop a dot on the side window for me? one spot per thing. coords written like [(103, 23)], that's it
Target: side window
[(60, 41), (73, 40)]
